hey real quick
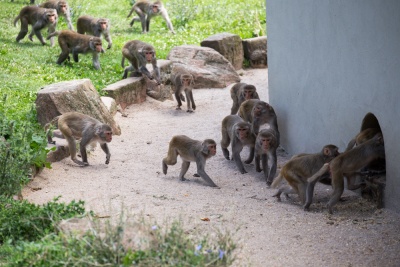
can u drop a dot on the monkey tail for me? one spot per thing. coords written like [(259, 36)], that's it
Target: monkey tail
[(130, 13), (277, 181), (16, 20), (123, 61)]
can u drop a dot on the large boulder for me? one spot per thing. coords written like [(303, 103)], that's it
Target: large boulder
[(255, 50), (77, 95), (131, 90), (229, 45), (209, 68)]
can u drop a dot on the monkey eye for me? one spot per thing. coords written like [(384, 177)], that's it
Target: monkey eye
[(149, 53)]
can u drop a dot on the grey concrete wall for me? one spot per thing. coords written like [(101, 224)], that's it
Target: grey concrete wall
[(330, 62)]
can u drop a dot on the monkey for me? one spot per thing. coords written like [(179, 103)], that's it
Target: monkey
[(237, 133), (241, 92), (190, 151), (76, 43), (146, 10), (351, 161), (39, 18), (258, 112), (138, 54), (77, 125), (183, 82), (265, 150), (62, 10), (95, 27), (362, 137), (298, 169)]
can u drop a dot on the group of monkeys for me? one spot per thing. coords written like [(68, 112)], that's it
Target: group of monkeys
[(89, 30)]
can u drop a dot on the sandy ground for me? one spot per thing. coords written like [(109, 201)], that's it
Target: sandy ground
[(270, 233)]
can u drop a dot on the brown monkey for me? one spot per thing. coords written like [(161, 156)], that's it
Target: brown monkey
[(62, 10), (362, 137), (77, 125), (298, 169), (146, 10), (237, 133), (241, 92), (352, 161), (39, 18), (138, 54), (183, 82), (76, 43), (95, 27), (190, 151), (265, 149)]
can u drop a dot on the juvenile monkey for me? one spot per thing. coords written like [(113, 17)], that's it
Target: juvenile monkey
[(146, 10), (39, 18), (183, 82), (190, 151), (265, 149), (77, 125), (237, 133), (298, 169), (241, 92), (95, 27), (138, 54), (62, 10), (76, 43)]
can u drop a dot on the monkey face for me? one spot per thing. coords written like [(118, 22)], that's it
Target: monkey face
[(51, 16), (98, 47), (212, 149), (265, 143), (62, 7), (248, 94), (108, 136), (155, 9), (242, 132), (149, 56), (103, 24)]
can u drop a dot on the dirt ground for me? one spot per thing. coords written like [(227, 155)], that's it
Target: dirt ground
[(270, 233)]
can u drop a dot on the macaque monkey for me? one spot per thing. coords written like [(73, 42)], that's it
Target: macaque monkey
[(146, 10), (237, 133), (62, 10), (362, 137), (76, 43), (95, 27), (190, 151), (77, 125), (299, 168), (265, 150), (241, 92), (138, 54), (183, 82), (39, 18), (352, 161)]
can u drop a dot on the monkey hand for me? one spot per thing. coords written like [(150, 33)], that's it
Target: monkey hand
[(102, 50), (109, 46)]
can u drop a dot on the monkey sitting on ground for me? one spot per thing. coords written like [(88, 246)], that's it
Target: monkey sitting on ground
[(241, 92), (95, 27), (183, 82), (265, 150), (350, 162), (62, 10), (76, 43), (237, 133), (146, 10), (39, 18), (299, 168), (138, 54), (77, 125), (190, 151)]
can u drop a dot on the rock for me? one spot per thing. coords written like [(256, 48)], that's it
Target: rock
[(110, 103), (60, 153), (131, 90), (209, 68), (255, 50), (77, 95), (229, 45), (160, 92)]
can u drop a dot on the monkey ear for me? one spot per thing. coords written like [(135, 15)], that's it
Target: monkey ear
[(204, 148), (326, 152)]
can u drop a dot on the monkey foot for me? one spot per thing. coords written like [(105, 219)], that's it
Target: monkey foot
[(196, 175), (189, 111), (178, 108)]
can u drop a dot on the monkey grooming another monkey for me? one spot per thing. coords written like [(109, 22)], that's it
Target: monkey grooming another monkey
[(190, 151), (146, 10), (241, 92), (183, 82), (62, 10), (138, 54), (76, 43), (299, 168), (265, 150), (95, 27), (77, 125), (39, 18), (237, 133)]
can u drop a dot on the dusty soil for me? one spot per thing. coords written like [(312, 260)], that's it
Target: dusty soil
[(270, 233)]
